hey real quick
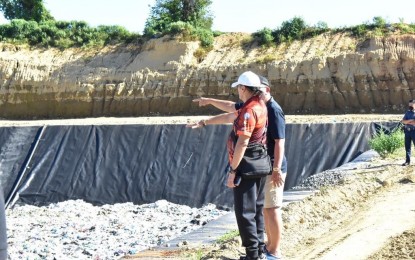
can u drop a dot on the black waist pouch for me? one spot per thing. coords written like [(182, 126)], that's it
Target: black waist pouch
[(256, 163)]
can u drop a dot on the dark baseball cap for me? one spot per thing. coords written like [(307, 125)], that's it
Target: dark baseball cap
[(264, 81)]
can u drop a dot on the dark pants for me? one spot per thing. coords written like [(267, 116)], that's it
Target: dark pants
[(409, 136), (249, 202)]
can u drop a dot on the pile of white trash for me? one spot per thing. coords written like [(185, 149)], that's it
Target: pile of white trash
[(79, 230)]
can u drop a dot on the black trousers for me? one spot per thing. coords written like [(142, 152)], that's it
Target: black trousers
[(248, 203), (409, 137)]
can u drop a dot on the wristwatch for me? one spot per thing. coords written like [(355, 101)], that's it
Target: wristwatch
[(231, 171), (276, 169)]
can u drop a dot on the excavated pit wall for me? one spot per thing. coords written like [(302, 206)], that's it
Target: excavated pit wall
[(329, 74)]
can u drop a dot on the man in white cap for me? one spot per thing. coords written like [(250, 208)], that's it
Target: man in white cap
[(249, 128), (274, 186)]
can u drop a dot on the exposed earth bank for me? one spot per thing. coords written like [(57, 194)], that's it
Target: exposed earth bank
[(332, 73)]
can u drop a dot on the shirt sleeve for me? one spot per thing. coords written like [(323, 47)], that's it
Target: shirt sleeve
[(276, 124), (406, 117), (246, 123)]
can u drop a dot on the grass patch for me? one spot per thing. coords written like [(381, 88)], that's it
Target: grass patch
[(266, 59), (228, 236), (201, 53), (398, 154), (195, 254)]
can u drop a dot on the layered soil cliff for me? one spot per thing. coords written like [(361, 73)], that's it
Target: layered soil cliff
[(328, 74)]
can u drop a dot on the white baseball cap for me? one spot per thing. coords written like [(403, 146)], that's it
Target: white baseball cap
[(249, 79)]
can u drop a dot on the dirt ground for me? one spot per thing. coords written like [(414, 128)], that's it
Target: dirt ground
[(290, 119)]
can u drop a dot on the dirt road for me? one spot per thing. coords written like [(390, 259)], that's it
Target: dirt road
[(356, 219), (388, 214)]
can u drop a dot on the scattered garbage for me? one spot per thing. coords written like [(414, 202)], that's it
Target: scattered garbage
[(80, 230)]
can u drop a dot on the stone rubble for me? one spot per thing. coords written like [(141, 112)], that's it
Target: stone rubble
[(79, 230), (322, 179)]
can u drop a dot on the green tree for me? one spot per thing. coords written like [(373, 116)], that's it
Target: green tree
[(29, 10), (166, 12), (264, 36), (293, 29), (379, 22)]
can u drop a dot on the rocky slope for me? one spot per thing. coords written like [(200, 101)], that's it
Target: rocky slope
[(329, 74)]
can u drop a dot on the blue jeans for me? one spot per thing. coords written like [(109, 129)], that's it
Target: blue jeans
[(409, 136)]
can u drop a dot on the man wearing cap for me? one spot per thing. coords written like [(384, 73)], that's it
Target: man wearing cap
[(409, 129), (274, 186), (249, 127)]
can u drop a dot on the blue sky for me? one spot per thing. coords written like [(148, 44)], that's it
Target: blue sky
[(238, 15)]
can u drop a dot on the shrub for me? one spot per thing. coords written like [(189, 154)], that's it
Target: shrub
[(319, 28), (379, 22), (63, 34), (386, 144), (294, 29), (191, 33), (291, 30), (200, 54), (180, 28), (264, 37), (217, 33), (205, 36), (359, 30), (405, 28)]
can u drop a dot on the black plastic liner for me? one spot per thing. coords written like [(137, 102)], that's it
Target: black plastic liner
[(145, 163), (312, 148), (130, 163), (16, 144)]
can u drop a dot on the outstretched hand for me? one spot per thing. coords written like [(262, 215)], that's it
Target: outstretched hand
[(196, 125), (202, 101)]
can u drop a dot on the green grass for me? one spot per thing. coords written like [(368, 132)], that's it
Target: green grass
[(228, 236), (387, 144), (398, 154), (194, 255)]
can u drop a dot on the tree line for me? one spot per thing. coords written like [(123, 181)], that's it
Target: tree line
[(32, 23)]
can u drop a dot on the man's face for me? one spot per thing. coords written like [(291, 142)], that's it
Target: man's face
[(411, 106), (265, 93)]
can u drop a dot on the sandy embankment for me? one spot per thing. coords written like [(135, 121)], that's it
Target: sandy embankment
[(290, 119)]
